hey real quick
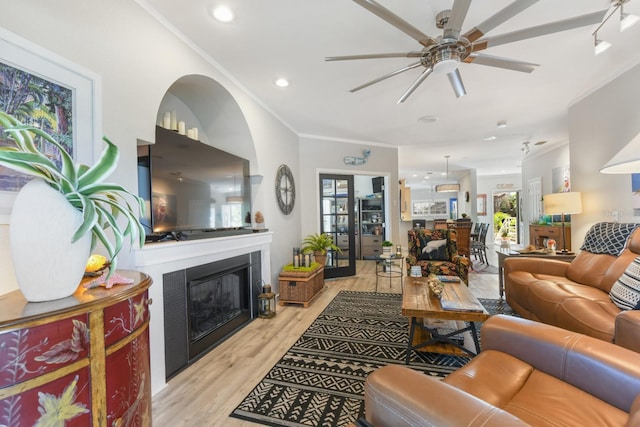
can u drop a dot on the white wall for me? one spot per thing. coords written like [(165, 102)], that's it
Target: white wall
[(327, 156), (541, 165), (600, 125), (137, 60)]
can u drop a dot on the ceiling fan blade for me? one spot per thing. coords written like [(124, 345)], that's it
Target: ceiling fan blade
[(386, 76), (415, 84), (393, 19), (540, 30), (456, 83), (456, 19), (375, 56), (498, 18), (496, 61)]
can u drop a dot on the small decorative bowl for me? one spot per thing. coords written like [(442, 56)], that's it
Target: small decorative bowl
[(436, 287)]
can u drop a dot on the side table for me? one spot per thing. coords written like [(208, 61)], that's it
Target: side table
[(387, 266), (504, 254)]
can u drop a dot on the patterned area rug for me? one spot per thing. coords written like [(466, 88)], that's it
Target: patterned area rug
[(320, 380)]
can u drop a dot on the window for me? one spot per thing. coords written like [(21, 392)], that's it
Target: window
[(429, 207)]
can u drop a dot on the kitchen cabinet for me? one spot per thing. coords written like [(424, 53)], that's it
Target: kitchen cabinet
[(405, 202)]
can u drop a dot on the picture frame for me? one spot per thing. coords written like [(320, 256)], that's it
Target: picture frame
[(481, 204), (85, 129)]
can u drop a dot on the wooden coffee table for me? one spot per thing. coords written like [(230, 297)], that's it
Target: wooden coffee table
[(418, 303)]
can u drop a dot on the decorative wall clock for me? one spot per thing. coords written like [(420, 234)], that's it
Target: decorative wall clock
[(285, 189)]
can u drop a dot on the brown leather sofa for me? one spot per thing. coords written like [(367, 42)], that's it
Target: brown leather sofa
[(528, 373), (575, 296)]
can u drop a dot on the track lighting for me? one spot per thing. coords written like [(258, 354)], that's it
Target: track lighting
[(626, 20), (600, 45)]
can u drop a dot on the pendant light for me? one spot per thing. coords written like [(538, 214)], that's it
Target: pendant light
[(447, 188)]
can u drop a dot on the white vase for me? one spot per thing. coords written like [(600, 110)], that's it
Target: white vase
[(47, 265)]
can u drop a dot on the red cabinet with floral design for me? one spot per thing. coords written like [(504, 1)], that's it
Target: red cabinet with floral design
[(77, 361)]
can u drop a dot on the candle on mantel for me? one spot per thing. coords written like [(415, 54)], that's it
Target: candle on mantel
[(174, 120), (166, 120), (181, 127), (307, 260), (296, 261)]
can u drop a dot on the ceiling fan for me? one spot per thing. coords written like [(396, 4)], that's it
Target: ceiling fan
[(443, 54)]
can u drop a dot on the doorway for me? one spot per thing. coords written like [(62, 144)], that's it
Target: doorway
[(506, 215), (337, 215)]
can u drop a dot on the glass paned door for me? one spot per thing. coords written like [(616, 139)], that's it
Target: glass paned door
[(337, 218)]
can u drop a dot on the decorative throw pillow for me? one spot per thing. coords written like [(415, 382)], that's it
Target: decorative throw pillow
[(608, 237), (625, 293), (435, 250)]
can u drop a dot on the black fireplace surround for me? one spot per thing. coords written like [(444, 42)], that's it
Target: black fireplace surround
[(206, 304)]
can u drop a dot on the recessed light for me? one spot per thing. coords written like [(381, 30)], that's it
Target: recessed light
[(223, 14), (502, 124), (541, 142), (489, 138), (282, 82)]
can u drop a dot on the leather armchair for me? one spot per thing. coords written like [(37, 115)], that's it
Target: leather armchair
[(528, 373), (448, 262)]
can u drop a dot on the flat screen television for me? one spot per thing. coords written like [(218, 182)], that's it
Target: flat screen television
[(192, 189)]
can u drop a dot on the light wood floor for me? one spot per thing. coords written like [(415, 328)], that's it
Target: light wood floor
[(205, 393)]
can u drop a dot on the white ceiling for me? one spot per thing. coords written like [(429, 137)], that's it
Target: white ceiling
[(291, 38)]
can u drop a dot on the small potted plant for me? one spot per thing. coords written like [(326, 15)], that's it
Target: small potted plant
[(319, 243), (386, 247), (65, 195)]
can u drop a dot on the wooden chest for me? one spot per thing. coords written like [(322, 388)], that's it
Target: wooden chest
[(301, 287)]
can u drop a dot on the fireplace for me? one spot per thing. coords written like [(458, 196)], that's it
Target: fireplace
[(205, 304)]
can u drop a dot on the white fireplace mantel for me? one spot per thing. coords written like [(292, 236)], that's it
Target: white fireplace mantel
[(156, 259)]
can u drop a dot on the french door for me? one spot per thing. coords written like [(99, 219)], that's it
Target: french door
[(337, 219)]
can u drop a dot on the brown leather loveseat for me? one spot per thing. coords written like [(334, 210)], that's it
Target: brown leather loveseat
[(528, 373), (576, 295)]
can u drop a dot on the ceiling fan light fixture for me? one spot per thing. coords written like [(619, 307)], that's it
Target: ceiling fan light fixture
[(446, 61)]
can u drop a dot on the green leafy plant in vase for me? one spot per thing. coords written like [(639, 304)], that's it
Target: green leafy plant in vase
[(319, 243), (95, 208), (386, 247)]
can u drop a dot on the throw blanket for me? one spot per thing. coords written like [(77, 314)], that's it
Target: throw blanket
[(608, 237)]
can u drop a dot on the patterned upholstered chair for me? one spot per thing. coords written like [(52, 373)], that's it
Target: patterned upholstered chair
[(436, 252)]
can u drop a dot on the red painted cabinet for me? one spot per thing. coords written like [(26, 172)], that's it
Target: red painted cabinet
[(78, 361)]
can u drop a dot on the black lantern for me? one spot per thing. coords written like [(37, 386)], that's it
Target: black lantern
[(266, 303)]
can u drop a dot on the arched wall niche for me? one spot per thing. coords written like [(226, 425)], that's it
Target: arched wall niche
[(204, 103)]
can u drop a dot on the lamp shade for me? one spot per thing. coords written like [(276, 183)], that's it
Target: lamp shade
[(627, 160), (563, 203), (447, 188)]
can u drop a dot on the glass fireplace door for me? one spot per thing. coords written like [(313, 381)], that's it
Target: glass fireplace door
[(337, 218)]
